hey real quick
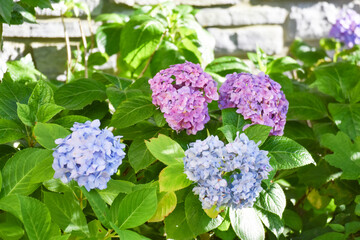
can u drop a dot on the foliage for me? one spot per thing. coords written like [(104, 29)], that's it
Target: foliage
[(311, 193)]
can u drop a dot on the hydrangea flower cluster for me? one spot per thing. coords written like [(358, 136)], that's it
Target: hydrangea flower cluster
[(226, 175), (182, 92), (347, 28), (88, 155), (256, 97)]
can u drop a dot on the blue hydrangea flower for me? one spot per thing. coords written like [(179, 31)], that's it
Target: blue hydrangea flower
[(347, 28), (88, 155), (228, 175)]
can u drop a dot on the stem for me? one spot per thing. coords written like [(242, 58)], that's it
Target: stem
[(85, 49), (81, 199), (1, 37), (77, 58), (91, 34), (68, 49), (108, 234)]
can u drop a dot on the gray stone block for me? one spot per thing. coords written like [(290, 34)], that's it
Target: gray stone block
[(49, 58), (12, 51), (95, 7), (49, 28), (240, 15), (311, 21), (237, 41), (188, 2)]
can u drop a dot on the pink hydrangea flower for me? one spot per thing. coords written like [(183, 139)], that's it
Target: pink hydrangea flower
[(256, 97), (183, 92)]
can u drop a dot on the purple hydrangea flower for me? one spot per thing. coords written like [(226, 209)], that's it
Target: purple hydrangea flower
[(228, 175), (347, 28), (183, 92), (88, 155), (256, 97)]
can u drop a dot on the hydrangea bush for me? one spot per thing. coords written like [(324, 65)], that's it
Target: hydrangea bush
[(179, 145)]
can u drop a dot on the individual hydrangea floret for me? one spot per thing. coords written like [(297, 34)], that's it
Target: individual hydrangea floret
[(347, 28), (226, 176), (182, 92), (88, 155), (256, 97)]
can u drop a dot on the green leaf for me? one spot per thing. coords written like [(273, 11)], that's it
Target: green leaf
[(199, 221), (189, 48), (167, 54), (24, 70), (287, 153), (6, 9), (69, 120), (117, 96), (139, 155), (173, 178), (108, 38), (47, 112), (99, 207), (131, 235), (11, 93), (292, 220), (114, 187), (119, 82), (227, 65), (285, 82), (331, 236), (97, 230), (139, 39), (231, 117), (337, 227), (352, 227), (38, 3), (132, 111), (272, 221), (345, 154), (338, 80), (10, 131), (165, 150), (258, 133), (346, 118), (305, 106), (272, 199), (97, 59), (24, 172), (9, 230), (304, 52), (176, 226), (159, 119), (137, 207), (25, 114), (42, 94), (47, 133), (329, 43), (166, 204), (36, 218), (281, 65), (66, 212), (77, 94), (246, 224), (33, 214), (229, 132)]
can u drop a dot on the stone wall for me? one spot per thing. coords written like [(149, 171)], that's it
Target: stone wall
[(238, 26)]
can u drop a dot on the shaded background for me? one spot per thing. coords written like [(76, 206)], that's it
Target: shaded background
[(238, 26)]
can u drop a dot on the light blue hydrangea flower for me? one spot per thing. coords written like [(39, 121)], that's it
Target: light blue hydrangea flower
[(228, 175), (88, 155)]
